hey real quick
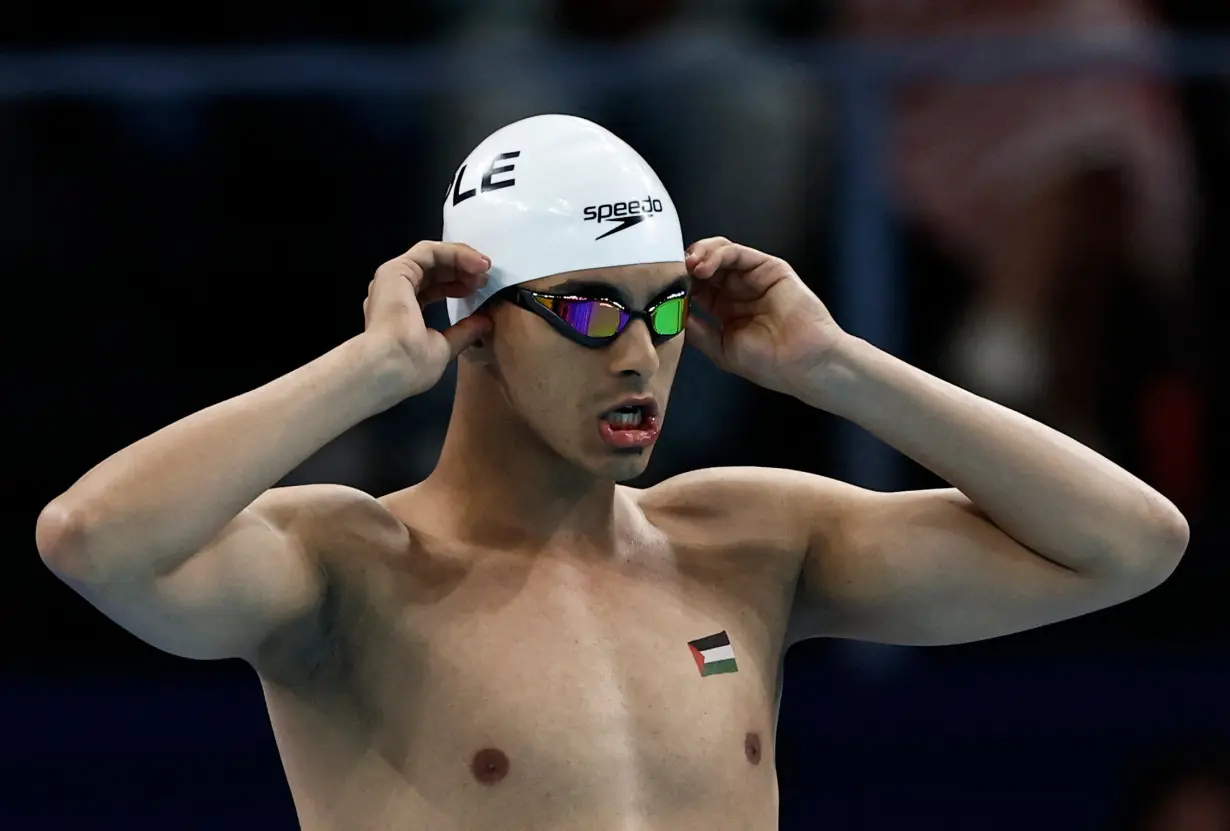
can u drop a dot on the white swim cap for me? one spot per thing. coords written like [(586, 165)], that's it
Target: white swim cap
[(556, 193)]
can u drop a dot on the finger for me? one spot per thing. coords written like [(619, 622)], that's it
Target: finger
[(723, 303), (462, 335), (728, 258), (704, 296), (710, 257), (438, 259), (433, 291), (447, 257), (699, 250), (458, 278), (707, 338)]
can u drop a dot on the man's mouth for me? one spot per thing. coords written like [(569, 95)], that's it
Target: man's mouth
[(632, 426), (626, 418)]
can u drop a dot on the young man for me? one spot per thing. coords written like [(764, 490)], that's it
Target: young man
[(519, 641)]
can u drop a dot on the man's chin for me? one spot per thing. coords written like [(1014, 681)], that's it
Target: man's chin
[(625, 465)]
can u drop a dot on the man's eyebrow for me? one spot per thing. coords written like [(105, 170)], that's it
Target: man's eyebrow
[(588, 288), (594, 288), (681, 283)]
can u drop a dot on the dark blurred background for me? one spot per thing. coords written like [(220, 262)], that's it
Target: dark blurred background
[(1027, 197)]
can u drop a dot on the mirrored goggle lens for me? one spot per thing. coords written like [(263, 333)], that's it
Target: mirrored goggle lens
[(670, 316), (592, 318)]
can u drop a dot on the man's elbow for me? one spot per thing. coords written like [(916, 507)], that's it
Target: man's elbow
[(59, 536), (68, 541), (1151, 557)]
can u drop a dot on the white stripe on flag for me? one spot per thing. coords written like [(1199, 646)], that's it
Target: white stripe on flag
[(719, 653)]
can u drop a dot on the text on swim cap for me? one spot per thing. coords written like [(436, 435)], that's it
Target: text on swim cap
[(627, 214), (487, 183)]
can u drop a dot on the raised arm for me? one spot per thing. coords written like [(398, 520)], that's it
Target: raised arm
[(1037, 527), (177, 537)]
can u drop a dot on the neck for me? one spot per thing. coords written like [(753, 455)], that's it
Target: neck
[(506, 487)]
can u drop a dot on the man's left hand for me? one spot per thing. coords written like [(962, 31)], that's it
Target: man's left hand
[(768, 326)]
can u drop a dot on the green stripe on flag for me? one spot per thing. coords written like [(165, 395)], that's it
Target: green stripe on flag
[(719, 668)]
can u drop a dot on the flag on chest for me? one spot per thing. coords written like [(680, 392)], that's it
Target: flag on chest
[(713, 655)]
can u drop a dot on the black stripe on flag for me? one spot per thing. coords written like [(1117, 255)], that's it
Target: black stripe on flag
[(711, 642)]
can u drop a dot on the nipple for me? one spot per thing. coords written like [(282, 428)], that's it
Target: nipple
[(751, 747), (489, 765)]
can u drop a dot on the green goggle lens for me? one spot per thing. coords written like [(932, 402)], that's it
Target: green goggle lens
[(670, 316)]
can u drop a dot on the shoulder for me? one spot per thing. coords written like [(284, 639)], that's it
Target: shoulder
[(308, 501), (778, 493), (324, 517), (768, 503), (720, 482), (341, 532), (760, 507)]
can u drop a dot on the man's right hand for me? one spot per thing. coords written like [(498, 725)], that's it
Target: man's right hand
[(402, 287)]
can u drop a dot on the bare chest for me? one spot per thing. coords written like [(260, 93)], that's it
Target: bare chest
[(634, 688)]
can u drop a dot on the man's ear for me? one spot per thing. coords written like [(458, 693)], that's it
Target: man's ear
[(482, 351)]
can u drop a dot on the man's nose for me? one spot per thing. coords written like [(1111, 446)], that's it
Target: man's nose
[(633, 352)]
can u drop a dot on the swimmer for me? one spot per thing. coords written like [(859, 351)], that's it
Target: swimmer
[(520, 641)]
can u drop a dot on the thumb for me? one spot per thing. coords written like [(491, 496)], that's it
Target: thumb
[(706, 337), (462, 334)]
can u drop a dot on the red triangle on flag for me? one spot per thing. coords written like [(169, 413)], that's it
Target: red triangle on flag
[(700, 659)]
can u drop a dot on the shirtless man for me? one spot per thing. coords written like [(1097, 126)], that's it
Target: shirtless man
[(519, 642)]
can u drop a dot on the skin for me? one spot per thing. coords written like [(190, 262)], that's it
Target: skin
[(505, 645), (1194, 806)]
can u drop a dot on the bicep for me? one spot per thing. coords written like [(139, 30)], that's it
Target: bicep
[(928, 568), (255, 579)]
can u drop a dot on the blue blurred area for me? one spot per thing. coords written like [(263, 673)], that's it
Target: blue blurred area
[(181, 223)]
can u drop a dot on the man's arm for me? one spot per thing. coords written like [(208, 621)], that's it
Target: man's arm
[(177, 538), (172, 538), (1038, 527)]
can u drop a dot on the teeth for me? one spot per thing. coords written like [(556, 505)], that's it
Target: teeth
[(625, 419)]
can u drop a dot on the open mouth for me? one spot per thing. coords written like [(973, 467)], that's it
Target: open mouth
[(627, 418), (633, 426), (634, 415)]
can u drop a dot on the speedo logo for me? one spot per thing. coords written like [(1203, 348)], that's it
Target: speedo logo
[(626, 214)]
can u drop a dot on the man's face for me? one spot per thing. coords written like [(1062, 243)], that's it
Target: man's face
[(566, 392)]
